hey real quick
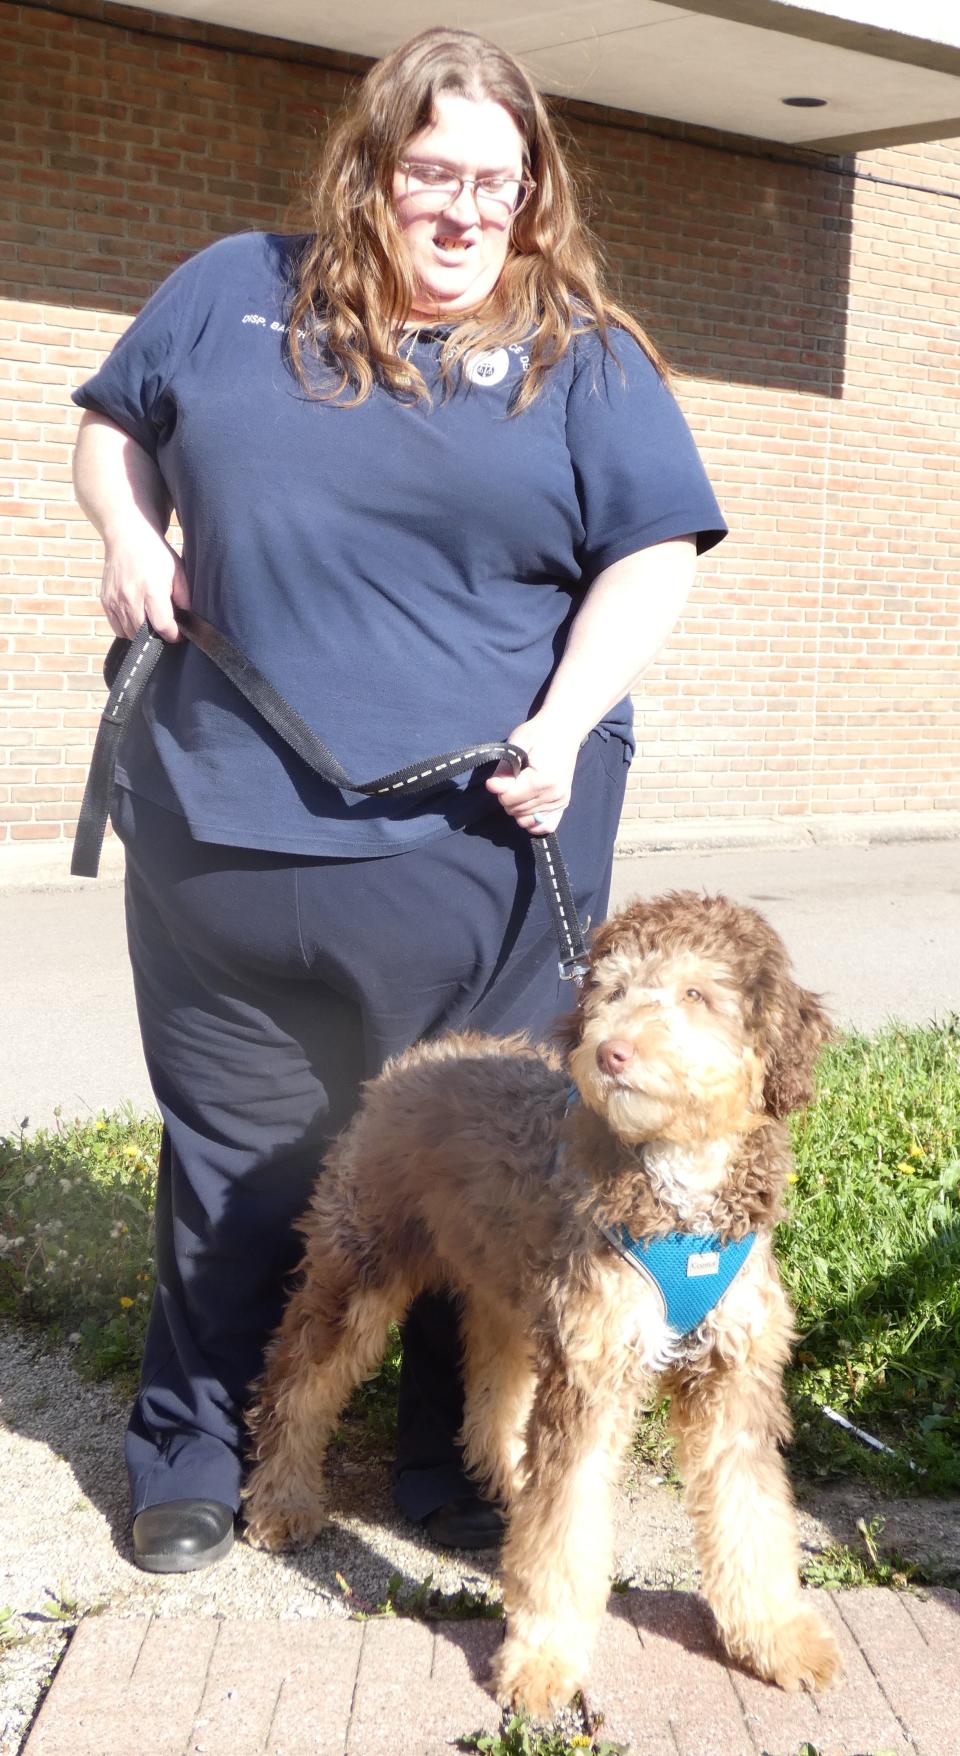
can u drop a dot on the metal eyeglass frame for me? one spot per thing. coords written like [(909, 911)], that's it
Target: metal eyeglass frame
[(526, 184)]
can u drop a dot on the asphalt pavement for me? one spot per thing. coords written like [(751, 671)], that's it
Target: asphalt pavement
[(874, 928)]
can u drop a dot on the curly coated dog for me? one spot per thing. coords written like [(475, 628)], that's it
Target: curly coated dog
[(475, 1163)]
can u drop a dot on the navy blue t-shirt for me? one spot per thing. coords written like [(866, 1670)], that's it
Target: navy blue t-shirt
[(403, 575)]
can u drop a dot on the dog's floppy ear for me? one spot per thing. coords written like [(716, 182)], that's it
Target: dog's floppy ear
[(793, 1051), (567, 1031)]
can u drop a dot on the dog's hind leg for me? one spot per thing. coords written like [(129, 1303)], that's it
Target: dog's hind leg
[(498, 1392), (729, 1417), (558, 1555), (333, 1334)]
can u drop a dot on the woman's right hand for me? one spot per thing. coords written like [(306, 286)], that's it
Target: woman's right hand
[(121, 490), (143, 577)]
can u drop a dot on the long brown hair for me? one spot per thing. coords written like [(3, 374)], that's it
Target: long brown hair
[(355, 286)]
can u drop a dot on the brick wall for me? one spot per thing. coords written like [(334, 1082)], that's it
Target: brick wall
[(807, 313)]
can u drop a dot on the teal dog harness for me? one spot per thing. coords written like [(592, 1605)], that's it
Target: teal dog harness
[(691, 1273)]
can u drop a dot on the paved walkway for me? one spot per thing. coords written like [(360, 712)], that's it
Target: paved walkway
[(204, 1687)]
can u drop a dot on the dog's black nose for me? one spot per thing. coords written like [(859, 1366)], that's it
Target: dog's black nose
[(614, 1055)]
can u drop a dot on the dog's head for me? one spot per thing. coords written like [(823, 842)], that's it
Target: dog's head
[(689, 1024)]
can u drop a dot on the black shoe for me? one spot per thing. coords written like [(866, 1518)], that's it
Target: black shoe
[(181, 1536), (466, 1522)]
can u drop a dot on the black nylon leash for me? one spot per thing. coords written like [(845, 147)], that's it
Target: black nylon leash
[(130, 664)]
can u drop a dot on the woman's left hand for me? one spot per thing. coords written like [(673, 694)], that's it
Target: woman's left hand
[(538, 797)]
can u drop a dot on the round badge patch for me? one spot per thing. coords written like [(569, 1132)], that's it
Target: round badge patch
[(489, 368)]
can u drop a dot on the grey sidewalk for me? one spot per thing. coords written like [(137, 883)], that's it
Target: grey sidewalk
[(399, 1688), (876, 928)]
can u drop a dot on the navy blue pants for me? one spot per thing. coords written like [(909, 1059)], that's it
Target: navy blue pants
[(268, 987)]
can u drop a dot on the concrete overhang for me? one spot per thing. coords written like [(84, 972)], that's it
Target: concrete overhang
[(887, 72)]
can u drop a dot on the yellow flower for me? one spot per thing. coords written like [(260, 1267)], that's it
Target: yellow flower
[(916, 1150), (793, 1178), (126, 1303), (908, 1169)]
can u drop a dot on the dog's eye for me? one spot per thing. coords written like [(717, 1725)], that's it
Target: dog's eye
[(693, 994), (615, 994)]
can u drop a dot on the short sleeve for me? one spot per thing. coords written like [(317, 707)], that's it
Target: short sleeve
[(132, 386), (639, 478)]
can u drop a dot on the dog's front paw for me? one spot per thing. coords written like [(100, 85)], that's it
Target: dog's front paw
[(536, 1679), (800, 1654), (278, 1524)]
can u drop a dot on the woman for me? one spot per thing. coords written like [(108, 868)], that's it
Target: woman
[(431, 481)]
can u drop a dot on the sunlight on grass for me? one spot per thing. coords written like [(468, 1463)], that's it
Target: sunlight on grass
[(76, 1236), (871, 1256)]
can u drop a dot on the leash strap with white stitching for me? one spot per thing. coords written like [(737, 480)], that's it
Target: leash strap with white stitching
[(130, 665)]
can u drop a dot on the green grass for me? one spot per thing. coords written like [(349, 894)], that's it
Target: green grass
[(524, 1737), (838, 1567), (422, 1602), (812, 1750), (76, 1252), (10, 1632), (871, 1257), (76, 1236)]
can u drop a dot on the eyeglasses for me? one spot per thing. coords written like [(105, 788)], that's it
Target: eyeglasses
[(500, 197)]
